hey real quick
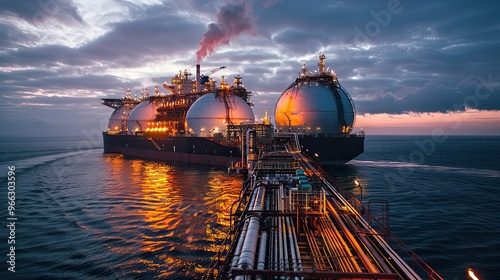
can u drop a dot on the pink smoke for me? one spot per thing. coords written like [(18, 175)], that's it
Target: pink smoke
[(232, 20)]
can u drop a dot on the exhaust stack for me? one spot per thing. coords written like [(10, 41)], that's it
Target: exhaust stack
[(198, 82)]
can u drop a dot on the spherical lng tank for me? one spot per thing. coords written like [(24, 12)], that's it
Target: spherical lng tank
[(315, 104), (140, 116), (118, 120), (208, 115)]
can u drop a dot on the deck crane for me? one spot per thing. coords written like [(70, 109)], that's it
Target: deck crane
[(204, 77)]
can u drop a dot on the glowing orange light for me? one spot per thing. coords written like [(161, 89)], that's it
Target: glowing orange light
[(472, 275)]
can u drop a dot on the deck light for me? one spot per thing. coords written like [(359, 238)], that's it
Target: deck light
[(471, 274)]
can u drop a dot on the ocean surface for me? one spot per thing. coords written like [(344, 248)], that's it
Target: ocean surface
[(82, 214)]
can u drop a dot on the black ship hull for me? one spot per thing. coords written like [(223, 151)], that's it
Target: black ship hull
[(332, 151), (204, 151), (182, 149)]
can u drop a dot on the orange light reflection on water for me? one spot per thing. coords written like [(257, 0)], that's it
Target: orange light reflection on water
[(170, 214), (223, 192)]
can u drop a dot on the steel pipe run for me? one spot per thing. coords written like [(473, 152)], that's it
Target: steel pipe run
[(275, 244), (401, 264), (282, 230), (282, 198), (280, 245), (237, 251), (296, 243), (345, 261), (361, 253), (285, 244), (280, 241), (248, 249), (243, 232), (261, 259), (247, 256), (260, 196), (274, 230), (294, 252)]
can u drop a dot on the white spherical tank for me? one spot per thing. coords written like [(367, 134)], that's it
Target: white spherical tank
[(315, 104), (118, 120), (208, 114), (312, 107), (140, 116)]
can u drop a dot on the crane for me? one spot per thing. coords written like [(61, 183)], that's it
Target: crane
[(204, 77), (213, 71)]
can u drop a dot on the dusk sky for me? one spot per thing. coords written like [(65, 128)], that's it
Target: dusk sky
[(411, 67)]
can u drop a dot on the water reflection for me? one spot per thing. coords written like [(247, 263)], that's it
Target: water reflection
[(222, 193), (166, 220)]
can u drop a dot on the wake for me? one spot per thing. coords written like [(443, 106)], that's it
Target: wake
[(28, 163), (489, 173)]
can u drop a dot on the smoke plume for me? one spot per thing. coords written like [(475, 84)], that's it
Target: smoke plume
[(232, 20)]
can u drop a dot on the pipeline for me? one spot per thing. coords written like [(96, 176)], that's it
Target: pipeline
[(281, 199), (247, 256), (371, 250), (280, 244), (296, 243), (261, 260), (366, 260), (275, 235), (248, 238), (345, 261), (401, 264), (275, 247), (293, 245), (284, 244), (282, 228), (236, 257)]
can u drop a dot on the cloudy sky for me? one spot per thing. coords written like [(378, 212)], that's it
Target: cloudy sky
[(411, 67)]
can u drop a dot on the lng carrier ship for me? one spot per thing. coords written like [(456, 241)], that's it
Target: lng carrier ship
[(291, 219), (201, 122)]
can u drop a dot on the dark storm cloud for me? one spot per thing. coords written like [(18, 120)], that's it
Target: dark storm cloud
[(50, 119), (298, 40), (128, 45), (474, 92), (44, 57), (19, 84), (156, 31), (133, 43)]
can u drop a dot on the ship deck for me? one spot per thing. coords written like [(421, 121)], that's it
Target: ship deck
[(291, 222)]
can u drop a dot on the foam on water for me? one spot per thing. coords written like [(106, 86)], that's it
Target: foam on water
[(447, 169), (27, 163)]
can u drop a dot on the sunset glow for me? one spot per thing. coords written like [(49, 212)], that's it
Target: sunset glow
[(463, 123)]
